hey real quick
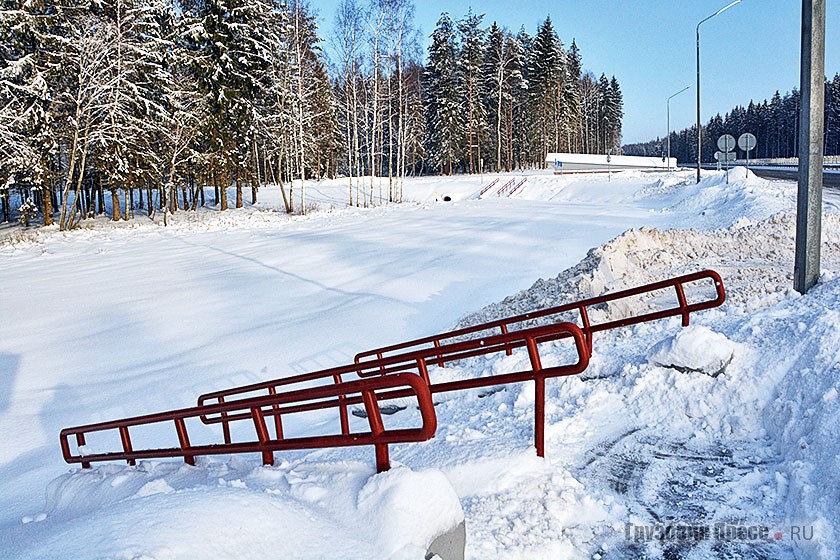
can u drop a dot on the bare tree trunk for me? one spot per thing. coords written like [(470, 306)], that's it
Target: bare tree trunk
[(116, 214), (223, 191)]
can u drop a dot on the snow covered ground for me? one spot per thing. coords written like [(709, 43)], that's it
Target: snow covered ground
[(121, 320)]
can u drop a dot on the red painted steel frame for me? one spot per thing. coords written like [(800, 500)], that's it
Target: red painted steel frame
[(418, 361), (683, 309), (256, 410)]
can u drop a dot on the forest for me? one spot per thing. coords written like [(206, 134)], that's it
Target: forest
[(774, 122), (163, 105)]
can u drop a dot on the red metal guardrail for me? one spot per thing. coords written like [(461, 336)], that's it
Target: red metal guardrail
[(488, 187), (390, 372), (509, 188), (506, 186), (417, 362), (256, 410), (682, 308)]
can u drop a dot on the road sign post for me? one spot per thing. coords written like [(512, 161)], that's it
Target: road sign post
[(726, 144), (747, 142)]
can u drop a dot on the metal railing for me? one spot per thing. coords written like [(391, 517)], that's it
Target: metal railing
[(488, 187), (392, 372), (581, 308), (256, 411), (512, 186), (418, 361)]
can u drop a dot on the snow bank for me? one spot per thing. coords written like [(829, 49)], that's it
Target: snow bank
[(233, 510)]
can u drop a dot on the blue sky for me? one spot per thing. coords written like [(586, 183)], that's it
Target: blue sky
[(748, 52)]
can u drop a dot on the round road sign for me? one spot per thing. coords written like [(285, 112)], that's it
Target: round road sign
[(746, 141), (726, 143)]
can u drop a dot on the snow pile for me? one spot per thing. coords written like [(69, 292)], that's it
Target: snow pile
[(697, 349), (233, 510)]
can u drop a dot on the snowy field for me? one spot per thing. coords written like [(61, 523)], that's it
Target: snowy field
[(120, 320)]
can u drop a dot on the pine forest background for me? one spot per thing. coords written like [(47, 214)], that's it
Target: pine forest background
[(124, 105), (774, 122)]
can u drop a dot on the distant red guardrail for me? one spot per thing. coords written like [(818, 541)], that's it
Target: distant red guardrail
[(512, 186), (488, 187)]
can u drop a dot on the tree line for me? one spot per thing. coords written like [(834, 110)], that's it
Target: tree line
[(147, 104), (774, 122)]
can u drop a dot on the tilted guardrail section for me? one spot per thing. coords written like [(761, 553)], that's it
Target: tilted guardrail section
[(257, 411), (511, 186), (506, 186), (581, 308), (489, 186), (417, 362), (514, 188)]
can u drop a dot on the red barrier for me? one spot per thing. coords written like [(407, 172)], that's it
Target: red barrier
[(255, 411), (506, 186), (518, 186), (418, 361), (511, 187), (397, 371), (488, 187), (683, 308)]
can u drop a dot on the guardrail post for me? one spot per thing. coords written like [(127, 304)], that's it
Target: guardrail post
[(126, 443), (504, 329), (80, 442), (383, 462), (539, 397), (587, 327), (225, 423), (184, 440), (275, 412), (683, 303), (439, 356), (262, 434), (424, 371)]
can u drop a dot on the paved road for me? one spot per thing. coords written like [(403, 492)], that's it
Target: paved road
[(830, 180)]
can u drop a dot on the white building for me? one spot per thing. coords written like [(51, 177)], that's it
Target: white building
[(562, 163)]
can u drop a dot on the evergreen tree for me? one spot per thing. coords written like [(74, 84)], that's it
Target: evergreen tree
[(546, 78), (502, 79), (614, 112), (572, 98), (235, 41), (470, 61), (444, 117)]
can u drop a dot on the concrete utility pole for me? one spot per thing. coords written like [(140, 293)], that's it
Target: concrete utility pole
[(806, 269)]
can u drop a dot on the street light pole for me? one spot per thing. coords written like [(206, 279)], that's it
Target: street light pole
[(668, 107), (699, 129)]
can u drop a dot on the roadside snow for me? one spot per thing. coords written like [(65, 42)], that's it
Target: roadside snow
[(117, 321)]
